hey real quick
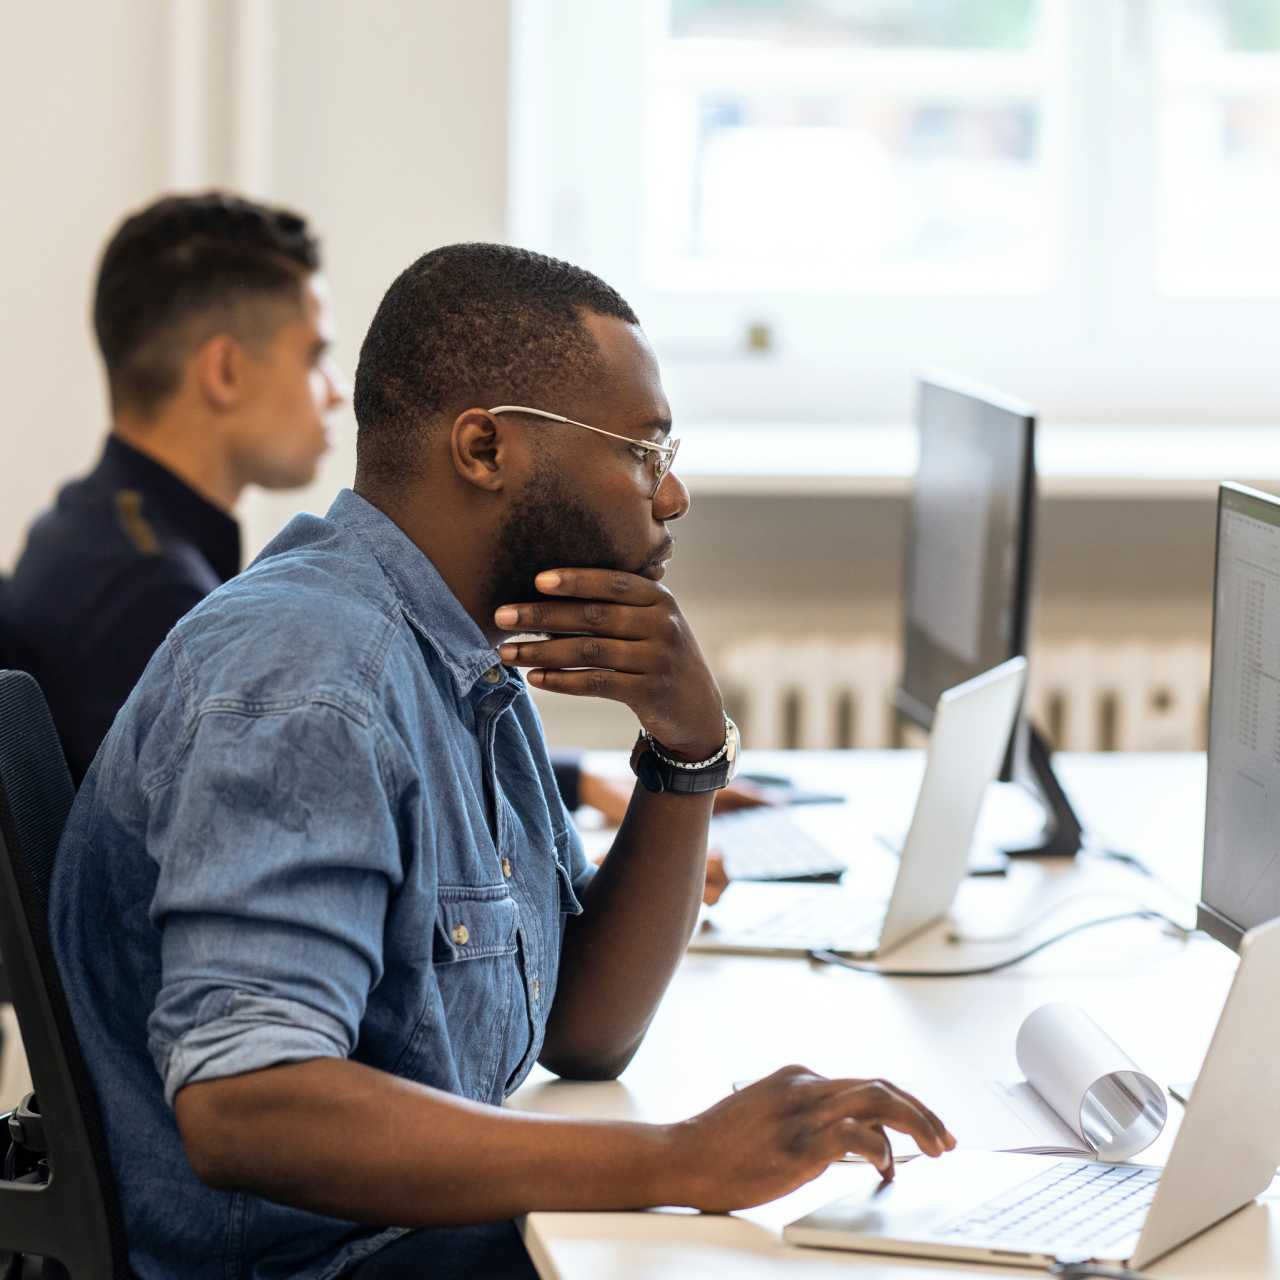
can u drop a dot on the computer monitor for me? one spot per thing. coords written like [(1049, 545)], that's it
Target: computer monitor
[(1240, 880), (967, 584)]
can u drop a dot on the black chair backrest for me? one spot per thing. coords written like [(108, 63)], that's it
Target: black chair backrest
[(74, 1217), (6, 656), (6, 660)]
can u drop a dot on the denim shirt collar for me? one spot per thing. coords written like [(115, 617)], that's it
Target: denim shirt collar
[(426, 600)]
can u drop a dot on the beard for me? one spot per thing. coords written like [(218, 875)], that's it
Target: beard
[(548, 527)]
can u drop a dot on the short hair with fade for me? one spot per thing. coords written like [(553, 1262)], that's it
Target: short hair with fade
[(463, 323), (186, 267)]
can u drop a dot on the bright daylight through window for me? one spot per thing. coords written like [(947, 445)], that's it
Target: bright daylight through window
[(1219, 140), (1072, 199), (896, 144)]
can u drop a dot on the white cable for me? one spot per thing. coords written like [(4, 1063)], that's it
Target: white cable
[(1013, 935)]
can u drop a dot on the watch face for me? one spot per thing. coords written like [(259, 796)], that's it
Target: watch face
[(732, 743)]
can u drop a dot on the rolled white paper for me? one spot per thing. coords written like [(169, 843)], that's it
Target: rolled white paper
[(1090, 1082)]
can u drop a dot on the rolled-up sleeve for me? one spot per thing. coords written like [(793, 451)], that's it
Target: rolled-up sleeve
[(278, 852)]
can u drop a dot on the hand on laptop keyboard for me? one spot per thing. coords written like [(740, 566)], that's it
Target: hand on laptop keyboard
[(783, 1131)]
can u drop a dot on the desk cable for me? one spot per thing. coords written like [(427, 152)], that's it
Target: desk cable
[(1129, 860), (955, 935), (1171, 925), (1081, 1270), (1135, 864)]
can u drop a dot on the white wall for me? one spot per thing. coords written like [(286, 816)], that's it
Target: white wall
[(389, 127), (384, 121), (84, 140)]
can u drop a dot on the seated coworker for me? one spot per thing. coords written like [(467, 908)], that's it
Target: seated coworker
[(148, 532), (319, 907), (214, 324)]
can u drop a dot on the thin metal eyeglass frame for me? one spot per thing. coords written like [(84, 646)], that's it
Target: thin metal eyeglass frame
[(666, 452)]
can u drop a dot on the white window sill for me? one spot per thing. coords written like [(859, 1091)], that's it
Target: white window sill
[(1073, 459)]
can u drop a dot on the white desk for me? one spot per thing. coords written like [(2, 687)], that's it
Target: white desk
[(730, 1018)]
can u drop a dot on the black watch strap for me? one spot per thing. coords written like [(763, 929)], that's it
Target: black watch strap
[(658, 775)]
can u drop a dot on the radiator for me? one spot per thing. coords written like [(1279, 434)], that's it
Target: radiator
[(1130, 694)]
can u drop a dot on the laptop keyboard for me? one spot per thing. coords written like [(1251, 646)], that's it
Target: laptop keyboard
[(764, 844), (1071, 1204), (818, 918)]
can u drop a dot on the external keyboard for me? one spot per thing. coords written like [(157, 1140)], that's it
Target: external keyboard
[(765, 844), (1072, 1205)]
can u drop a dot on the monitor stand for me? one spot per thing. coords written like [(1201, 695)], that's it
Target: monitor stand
[(1033, 770)]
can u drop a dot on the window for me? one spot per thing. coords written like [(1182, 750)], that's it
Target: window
[(899, 145), (808, 201), (1219, 140)]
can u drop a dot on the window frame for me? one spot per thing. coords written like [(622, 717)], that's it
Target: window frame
[(1099, 341)]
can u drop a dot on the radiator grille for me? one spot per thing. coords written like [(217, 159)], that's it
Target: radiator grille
[(1129, 694)]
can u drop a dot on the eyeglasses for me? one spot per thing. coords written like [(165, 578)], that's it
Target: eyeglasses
[(662, 455)]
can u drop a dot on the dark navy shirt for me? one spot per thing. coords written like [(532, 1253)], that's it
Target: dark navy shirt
[(566, 763), (324, 825), (123, 553)]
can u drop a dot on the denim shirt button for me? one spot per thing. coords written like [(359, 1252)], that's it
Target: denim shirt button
[(493, 675), (506, 867), (536, 987), (461, 934)]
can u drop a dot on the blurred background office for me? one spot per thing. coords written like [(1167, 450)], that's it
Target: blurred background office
[(808, 202)]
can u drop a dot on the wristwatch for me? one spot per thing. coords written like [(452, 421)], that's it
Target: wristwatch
[(657, 771)]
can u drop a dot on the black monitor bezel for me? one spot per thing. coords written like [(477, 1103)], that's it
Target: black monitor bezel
[(908, 703)]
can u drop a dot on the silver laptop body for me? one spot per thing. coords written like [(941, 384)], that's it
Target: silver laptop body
[(971, 728), (1021, 1210)]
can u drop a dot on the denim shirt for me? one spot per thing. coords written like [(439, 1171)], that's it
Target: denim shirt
[(323, 826)]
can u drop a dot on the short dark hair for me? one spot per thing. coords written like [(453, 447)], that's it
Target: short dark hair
[(464, 322), (183, 261)]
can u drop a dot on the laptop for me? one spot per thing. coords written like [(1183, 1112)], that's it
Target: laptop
[(893, 897), (1037, 1211)]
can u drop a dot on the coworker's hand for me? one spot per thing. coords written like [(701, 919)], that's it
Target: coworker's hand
[(612, 796), (717, 880), (782, 1131), (744, 795), (626, 640), (715, 883)]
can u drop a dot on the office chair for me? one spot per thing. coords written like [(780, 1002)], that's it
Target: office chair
[(72, 1220), (7, 659)]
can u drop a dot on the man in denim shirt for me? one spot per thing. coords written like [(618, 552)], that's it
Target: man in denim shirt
[(319, 908)]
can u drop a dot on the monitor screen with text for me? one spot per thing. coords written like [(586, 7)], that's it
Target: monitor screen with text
[(1241, 876)]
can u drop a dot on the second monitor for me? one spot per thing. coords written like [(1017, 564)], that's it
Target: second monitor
[(1241, 872), (967, 587)]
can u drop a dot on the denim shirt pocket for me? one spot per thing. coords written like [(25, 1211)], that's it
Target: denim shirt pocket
[(473, 922), (474, 956)]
